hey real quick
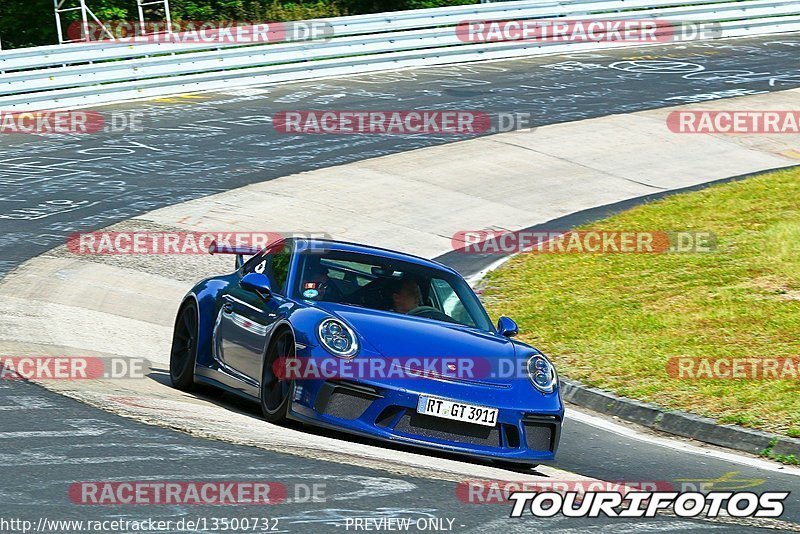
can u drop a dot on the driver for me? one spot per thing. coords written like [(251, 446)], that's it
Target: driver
[(317, 284), (406, 296)]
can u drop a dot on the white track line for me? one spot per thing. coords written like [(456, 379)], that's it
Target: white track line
[(609, 426)]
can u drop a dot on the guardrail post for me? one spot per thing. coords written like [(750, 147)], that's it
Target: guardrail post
[(58, 6), (141, 4)]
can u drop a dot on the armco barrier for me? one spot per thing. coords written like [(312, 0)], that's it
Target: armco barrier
[(92, 73)]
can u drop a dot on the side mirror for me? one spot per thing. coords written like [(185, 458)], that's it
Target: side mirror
[(257, 282), (507, 327)]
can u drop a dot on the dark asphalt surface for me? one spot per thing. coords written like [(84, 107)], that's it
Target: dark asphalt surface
[(50, 442), (191, 147)]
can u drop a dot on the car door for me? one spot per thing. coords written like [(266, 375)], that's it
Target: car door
[(246, 318)]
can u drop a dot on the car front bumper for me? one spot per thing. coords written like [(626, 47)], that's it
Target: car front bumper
[(526, 431)]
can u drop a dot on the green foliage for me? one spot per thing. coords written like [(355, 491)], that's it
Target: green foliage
[(298, 11), (27, 23), (32, 23), (377, 6), (789, 459)]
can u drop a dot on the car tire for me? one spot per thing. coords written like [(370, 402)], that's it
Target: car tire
[(183, 354), (276, 394)]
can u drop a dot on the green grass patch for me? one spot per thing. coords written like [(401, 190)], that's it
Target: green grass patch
[(789, 459), (614, 320)]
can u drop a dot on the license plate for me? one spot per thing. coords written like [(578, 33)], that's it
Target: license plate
[(457, 411)]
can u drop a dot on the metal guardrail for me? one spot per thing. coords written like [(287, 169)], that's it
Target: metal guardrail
[(93, 73), (26, 58)]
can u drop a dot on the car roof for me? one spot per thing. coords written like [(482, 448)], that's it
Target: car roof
[(346, 246)]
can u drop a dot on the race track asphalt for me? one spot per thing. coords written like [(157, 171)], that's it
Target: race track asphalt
[(201, 144)]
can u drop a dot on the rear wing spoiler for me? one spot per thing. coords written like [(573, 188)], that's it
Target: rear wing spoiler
[(241, 252)]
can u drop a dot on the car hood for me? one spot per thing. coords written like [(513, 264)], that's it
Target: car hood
[(398, 336)]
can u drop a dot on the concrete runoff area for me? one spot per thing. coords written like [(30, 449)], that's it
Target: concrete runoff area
[(66, 304)]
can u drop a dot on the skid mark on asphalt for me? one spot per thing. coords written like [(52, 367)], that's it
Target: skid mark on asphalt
[(81, 427), (365, 486), (333, 487), (70, 453), (24, 402)]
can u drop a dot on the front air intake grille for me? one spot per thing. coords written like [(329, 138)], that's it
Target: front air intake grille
[(343, 402), (540, 435), (347, 405), (435, 427)]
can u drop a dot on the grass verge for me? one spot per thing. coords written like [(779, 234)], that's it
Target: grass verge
[(614, 321)]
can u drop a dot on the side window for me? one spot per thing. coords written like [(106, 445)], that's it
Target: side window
[(451, 304), (273, 262), (279, 271)]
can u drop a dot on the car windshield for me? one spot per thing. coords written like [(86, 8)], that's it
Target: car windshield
[(385, 284)]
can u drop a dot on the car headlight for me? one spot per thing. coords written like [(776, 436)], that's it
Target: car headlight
[(338, 338), (542, 373)]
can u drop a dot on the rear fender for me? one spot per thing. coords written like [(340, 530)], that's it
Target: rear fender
[(206, 296)]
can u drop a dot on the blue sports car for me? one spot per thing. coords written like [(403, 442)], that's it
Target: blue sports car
[(372, 342)]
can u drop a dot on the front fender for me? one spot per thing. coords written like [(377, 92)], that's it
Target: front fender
[(304, 321)]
